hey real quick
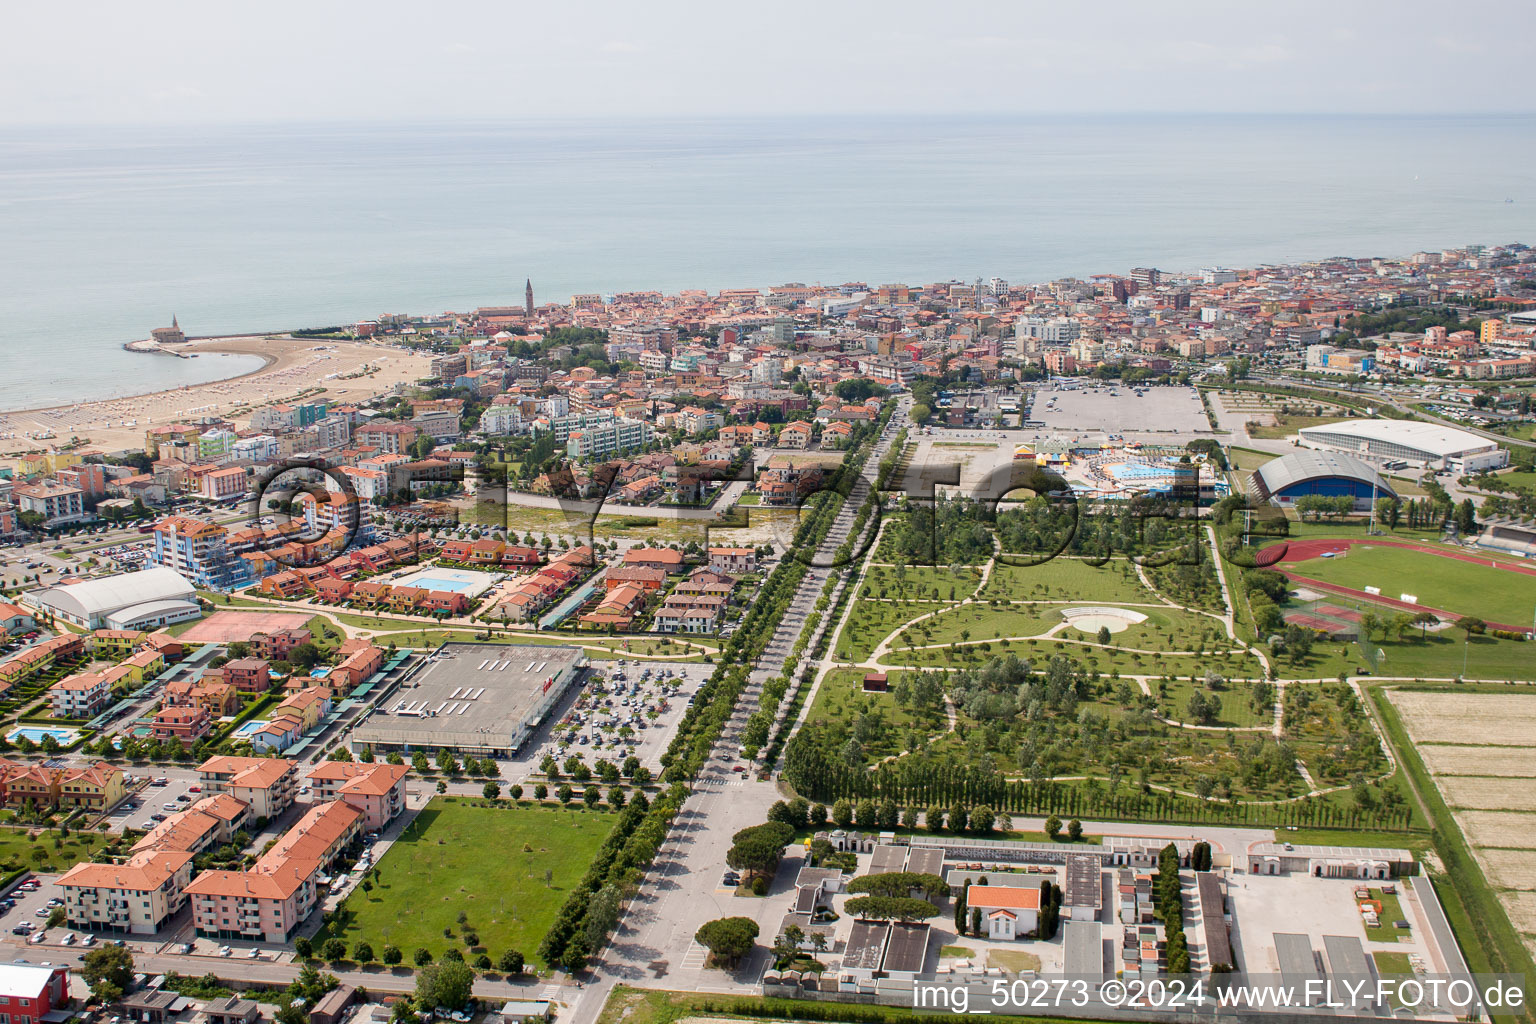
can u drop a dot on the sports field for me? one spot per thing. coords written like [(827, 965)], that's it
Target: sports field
[(1459, 585), (491, 863), (232, 625)]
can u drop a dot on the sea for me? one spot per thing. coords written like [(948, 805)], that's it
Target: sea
[(110, 231)]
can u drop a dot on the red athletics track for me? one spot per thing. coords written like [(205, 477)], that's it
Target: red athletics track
[(1301, 550)]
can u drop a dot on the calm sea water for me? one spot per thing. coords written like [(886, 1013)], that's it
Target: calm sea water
[(108, 232)]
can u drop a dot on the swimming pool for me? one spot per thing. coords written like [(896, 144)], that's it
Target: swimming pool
[(250, 728), (441, 583), (35, 733), (1139, 471)]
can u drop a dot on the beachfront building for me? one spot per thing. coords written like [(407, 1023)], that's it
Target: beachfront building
[(58, 504)]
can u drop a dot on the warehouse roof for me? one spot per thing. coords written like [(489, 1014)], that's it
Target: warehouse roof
[(1435, 440)]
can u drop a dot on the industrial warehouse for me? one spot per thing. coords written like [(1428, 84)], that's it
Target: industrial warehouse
[(476, 699)]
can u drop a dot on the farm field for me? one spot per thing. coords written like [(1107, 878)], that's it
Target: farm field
[(1446, 583), (1517, 794), (1474, 718), (437, 868), (1494, 733), (1452, 761)]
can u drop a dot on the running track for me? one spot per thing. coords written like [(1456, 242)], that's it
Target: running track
[(1301, 550)]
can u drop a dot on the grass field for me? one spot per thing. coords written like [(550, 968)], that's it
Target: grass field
[(1391, 911), (1287, 424), (439, 867), (1236, 711), (841, 696), (1447, 583), (1519, 478), (1067, 579), (17, 850)]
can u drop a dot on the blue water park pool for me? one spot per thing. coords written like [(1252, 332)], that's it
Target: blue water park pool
[(62, 736)]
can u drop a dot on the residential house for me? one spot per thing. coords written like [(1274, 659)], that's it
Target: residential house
[(665, 559), (249, 675), (187, 724), (1007, 911), (733, 561)]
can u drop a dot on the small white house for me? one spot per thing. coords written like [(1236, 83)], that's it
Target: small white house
[(1007, 911)]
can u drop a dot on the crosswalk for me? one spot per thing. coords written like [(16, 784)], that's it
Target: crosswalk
[(694, 959), (734, 780)]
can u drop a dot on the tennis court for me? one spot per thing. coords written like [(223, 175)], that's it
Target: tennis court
[(233, 625)]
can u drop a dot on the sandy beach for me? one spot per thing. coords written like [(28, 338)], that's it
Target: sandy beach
[(341, 371)]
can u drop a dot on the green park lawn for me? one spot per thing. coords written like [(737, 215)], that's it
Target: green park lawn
[(18, 850), (1067, 579), (1236, 711), (982, 622), (1391, 911), (841, 696), (507, 868), (1519, 478), (1467, 588)]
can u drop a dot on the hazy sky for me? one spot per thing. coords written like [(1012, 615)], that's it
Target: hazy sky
[(285, 60)]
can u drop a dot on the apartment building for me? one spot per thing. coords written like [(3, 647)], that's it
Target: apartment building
[(270, 901), (378, 790), (265, 784), (136, 897), (95, 786), (605, 439), (198, 550), (57, 503), (733, 561), (28, 993), (186, 723), (211, 821), (80, 696), (222, 484)]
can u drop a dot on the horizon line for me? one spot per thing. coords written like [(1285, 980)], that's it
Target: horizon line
[(427, 120)]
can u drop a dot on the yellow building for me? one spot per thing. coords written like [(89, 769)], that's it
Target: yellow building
[(40, 465), (115, 643)]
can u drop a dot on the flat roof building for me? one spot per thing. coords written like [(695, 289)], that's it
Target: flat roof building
[(1082, 950), (1428, 444), (479, 699), (906, 954)]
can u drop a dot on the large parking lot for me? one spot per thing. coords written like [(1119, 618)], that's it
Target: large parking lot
[(1119, 410), (648, 697)]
